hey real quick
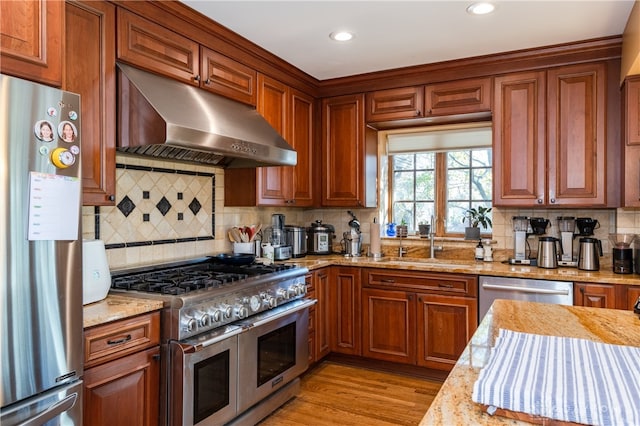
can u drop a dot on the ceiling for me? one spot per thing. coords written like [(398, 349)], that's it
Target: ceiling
[(395, 34)]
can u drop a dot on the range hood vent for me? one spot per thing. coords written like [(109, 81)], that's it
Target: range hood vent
[(164, 118)]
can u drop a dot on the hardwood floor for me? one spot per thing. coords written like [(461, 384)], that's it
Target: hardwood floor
[(339, 394)]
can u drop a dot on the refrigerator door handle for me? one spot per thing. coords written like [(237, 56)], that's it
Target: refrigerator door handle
[(53, 411)]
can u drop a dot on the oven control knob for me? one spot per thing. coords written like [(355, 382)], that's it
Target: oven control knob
[(203, 319), (270, 301), (226, 311), (191, 324), (216, 315), (294, 290), (255, 303), (282, 294), (241, 311)]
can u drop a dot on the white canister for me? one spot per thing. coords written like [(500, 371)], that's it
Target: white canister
[(96, 277), (267, 251)]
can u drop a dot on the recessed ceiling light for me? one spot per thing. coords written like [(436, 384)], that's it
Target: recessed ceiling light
[(480, 8), (341, 36)]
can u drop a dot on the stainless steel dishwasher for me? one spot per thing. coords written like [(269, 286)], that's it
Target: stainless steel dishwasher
[(492, 288)]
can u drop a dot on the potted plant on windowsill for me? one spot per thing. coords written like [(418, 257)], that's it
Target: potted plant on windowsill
[(476, 217), (401, 230)]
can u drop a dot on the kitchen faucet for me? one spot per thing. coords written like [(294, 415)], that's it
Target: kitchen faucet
[(401, 250), (432, 238)]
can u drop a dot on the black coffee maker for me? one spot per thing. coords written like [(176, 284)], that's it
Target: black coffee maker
[(586, 226), (622, 252)]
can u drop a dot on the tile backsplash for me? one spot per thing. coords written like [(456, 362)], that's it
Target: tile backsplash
[(168, 211)]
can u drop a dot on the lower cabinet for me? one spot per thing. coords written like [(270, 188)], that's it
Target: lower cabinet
[(122, 372), (594, 295), (319, 314), (344, 298), (423, 319)]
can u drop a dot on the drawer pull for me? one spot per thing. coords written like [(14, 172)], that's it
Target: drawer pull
[(387, 280), (445, 285), (119, 341)]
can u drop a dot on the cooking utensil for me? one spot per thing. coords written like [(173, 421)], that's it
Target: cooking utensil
[(256, 231), (235, 233), (233, 258)]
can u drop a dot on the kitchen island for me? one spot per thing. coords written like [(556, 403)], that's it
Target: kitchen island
[(453, 404)]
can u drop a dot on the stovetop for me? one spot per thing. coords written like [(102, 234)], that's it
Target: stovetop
[(201, 295)]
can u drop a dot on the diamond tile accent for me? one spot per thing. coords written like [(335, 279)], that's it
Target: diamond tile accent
[(126, 206), (164, 206), (195, 206)]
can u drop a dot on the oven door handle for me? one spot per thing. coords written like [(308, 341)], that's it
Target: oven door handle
[(189, 348), (306, 303), (564, 292)]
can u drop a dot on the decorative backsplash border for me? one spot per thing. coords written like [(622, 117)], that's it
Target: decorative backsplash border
[(158, 206)]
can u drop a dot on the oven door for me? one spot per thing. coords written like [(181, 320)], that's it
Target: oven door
[(273, 350), (204, 378)]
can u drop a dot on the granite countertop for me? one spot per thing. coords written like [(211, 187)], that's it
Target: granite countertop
[(605, 276), (116, 307), (453, 404)]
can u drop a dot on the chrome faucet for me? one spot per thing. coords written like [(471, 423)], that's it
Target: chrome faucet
[(401, 250), (432, 240)]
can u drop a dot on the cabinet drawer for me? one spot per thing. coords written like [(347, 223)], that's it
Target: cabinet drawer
[(114, 340), (445, 283)]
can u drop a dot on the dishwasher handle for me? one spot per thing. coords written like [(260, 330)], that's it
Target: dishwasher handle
[(565, 292)]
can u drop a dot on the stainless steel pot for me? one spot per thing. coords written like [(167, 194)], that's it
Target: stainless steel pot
[(548, 253), (320, 238), (296, 237), (590, 250)]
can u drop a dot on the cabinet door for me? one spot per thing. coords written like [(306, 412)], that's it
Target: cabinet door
[(388, 325), (124, 391), (345, 300), (349, 155), (301, 139), (395, 104), (323, 313), (631, 173), (633, 293), (31, 34), (226, 77), (458, 97), (157, 49), (445, 326), (576, 143), (594, 295), (519, 139), (90, 52), (274, 184)]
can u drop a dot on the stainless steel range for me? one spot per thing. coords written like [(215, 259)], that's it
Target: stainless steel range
[(235, 337)]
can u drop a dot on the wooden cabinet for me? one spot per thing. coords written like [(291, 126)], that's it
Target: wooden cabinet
[(417, 318), (594, 295), (90, 71), (562, 162), (31, 40), (395, 104), (445, 325), (122, 372), (155, 48), (433, 100), (349, 154), (345, 301), (631, 114), (458, 97), (319, 314), (632, 295), (290, 112)]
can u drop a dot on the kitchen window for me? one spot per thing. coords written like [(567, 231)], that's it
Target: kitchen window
[(441, 172)]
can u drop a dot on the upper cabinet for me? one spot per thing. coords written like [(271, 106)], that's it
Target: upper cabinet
[(290, 112), (433, 100), (349, 154), (632, 142), (153, 47), (90, 71), (550, 138), (31, 34)]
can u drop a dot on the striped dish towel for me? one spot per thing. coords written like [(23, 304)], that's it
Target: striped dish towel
[(562, 378)]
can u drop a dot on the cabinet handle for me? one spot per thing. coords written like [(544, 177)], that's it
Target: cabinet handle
[(207, 81), (539, 200), (386, 280), (112, 197), (410, 297), (156, 357), (196, 78), (119, 341), (553, 200), (418, 113), (445, 285)]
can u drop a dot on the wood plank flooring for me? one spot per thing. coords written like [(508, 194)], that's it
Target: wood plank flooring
[(338, 394)]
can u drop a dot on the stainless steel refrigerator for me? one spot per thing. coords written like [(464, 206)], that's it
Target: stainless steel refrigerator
[(40, 255)]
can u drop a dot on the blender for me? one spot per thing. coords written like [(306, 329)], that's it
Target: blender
[(521, 227), (622, 252), (276, 236), (567, 225)]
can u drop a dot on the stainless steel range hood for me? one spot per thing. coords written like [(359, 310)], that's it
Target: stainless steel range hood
[(163, 118)]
